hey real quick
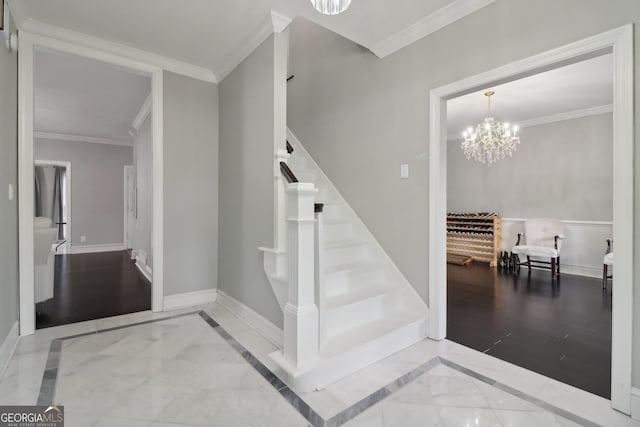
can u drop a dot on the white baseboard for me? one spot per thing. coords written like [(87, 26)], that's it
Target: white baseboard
[(635, 403), (8, 347), (89, 249), (145, 270), (189, 299), (264, 327)]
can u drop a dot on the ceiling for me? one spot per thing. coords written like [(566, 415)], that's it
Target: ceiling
[(209, 33), (576, 87), (78, 96)]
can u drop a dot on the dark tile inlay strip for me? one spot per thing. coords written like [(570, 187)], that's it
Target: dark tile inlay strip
[(521, 395), (49, 378)]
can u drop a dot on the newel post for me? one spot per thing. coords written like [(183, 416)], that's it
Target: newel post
[(301, 311)]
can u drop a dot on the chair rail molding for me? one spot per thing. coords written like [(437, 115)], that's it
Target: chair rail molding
[(620, 40)]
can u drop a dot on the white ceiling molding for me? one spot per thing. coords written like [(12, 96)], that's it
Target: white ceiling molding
[(144, 112), (570, 115), (427, 25), (52, 136), (279, 21), (242, 52), (168, 64)]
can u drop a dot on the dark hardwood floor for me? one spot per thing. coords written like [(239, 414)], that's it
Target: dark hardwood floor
[(93, 286), (562, 332)]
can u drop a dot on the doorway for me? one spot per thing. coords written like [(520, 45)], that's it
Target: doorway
[(31, 45), (620, 42)]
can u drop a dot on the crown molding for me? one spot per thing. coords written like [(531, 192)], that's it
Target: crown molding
[(244, 50), (144, 112), (427, 25), (52, 136), (166, 63), (570, 115), (279, 21)]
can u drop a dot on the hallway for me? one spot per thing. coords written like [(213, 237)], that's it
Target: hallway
[(93, 286)]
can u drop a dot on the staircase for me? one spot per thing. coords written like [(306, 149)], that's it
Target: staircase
[(366, 309)]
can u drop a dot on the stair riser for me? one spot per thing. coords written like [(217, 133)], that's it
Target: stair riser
[(321, 195), (342, 282), (305, 175), (331, 211), (335, 256), (360, 312), (337, 231)]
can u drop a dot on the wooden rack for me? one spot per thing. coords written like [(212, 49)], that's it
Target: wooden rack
[(478, 235)]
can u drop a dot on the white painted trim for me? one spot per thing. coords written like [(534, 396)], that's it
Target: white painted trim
[(264, 327), (635, 403), (427, 25), (67, 166), (145, 270), (279, 22), (25, 159), (189, 299), (125, 202), (142, 115), (15, 7), (52, 136), (621, 40), (124, 51), (244, 50), (91, 249), (570, 115), (8, 347)]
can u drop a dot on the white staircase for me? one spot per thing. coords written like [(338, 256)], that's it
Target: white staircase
[(366, 309)]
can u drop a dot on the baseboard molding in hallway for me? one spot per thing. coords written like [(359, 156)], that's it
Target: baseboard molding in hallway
[(190, 299)]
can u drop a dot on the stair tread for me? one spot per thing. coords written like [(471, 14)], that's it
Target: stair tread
[(370, 331), (359, 294), (356, 265)]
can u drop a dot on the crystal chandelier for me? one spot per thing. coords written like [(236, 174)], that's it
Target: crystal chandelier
[(491, 140), (331, 7)]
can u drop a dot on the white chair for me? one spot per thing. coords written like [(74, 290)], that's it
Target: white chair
[(44, 258), (607, 262), (542, 239)]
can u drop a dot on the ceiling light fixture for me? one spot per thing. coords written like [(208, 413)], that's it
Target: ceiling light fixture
[(491, 141), (331, 7)]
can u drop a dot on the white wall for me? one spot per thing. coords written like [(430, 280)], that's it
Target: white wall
[(246, 180), (8, 176), (144, 184), (360, 117), (97, 188), (190, 184), (560, 170)]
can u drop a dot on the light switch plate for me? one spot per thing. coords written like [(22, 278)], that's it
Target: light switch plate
[(404, 171)]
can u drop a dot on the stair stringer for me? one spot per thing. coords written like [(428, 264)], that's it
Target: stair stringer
[(361, 228)]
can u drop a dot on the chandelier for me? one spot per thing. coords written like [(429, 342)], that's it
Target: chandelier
[(491, 140), (331, 7)]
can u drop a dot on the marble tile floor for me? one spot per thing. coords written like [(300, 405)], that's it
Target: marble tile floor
[(181, 368)]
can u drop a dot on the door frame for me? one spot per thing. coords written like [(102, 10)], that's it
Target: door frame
[(620, 42), (127, 226), (67, 166), (85, 46)]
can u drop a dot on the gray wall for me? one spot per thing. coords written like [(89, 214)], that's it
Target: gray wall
[(560, 170), (361, 117), (190, 184), (144, 182), (8, 175), (246, 178), (97, 187)]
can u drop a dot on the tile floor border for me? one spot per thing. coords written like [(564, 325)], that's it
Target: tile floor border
[(50, 376)]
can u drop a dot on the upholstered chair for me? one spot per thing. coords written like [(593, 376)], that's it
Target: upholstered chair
[(542, 238), (607, 262)]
